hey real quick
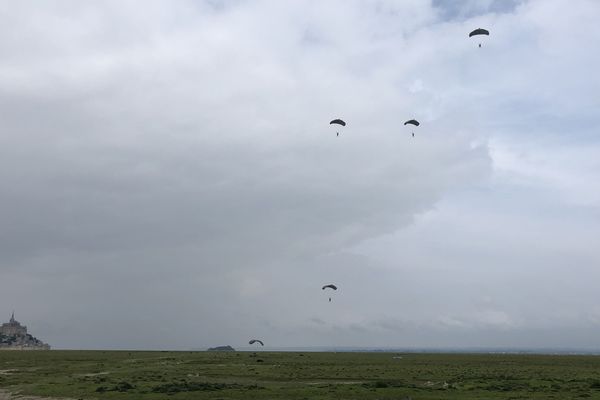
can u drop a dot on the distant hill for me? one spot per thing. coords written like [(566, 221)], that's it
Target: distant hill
[(221, 348)]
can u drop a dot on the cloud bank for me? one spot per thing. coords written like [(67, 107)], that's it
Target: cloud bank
[(168, 177)]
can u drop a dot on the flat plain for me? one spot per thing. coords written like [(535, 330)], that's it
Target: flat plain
[(295, 375)]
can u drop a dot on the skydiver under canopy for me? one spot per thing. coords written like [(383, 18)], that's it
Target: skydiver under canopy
[(479, 31), (337, 122), (330, 286), (412, 122)]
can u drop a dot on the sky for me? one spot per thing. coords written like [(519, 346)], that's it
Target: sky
[(169, 178)]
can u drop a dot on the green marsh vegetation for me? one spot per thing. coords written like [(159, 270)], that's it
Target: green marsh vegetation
[(289, 375)]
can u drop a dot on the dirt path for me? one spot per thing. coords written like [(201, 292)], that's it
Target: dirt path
[(5, 395)]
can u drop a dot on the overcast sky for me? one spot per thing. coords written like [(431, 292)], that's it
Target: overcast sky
[(169, 178)]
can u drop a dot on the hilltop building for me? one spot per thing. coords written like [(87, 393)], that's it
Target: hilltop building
[(14, 336), (13, 327)]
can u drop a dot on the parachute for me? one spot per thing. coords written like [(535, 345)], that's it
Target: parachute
[(256, 341), (330, 286), (337, 122), (479, 31), (412, 122)]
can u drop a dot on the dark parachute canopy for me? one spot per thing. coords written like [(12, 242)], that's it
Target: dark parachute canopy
[(479, 31), (256, 341)]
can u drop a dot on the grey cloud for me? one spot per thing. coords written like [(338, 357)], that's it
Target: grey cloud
[(173, 166), (465, 9)]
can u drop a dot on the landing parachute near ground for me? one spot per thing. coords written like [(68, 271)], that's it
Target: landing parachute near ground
[(256, 341)]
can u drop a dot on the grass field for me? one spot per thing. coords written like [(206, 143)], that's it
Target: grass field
[(244, 375)]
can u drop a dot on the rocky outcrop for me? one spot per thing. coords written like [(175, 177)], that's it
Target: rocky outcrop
[(25, 342)]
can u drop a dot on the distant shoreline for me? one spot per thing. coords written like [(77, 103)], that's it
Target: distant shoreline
[(350, 349)]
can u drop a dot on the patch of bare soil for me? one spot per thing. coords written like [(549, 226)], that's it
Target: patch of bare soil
[(6, 395)]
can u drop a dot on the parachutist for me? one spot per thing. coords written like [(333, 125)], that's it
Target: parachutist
[(412, 122), (479, 31), (337, 122), (330, 286)]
